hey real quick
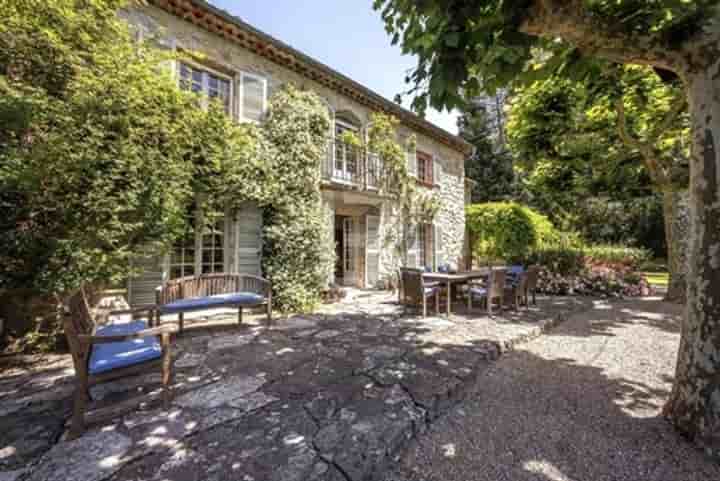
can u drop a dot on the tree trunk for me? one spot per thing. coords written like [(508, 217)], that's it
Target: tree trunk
[(694, 404), (676, 269)]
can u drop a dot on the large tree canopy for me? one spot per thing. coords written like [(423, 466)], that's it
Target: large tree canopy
[(618, 135), (466, 46)]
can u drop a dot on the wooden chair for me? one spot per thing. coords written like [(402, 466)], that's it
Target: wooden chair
[(415, 291), (105, 353), (533, 274), (495, 289), (517, 291)]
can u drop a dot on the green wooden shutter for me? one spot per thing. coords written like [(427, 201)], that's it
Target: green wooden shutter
[(437, 247), (412, 254), (150, 275), (248, 241)]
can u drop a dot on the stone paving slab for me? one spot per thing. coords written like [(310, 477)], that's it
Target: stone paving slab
[(333, 396)]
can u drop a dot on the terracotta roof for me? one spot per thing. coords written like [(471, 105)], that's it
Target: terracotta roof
[(220, 22)]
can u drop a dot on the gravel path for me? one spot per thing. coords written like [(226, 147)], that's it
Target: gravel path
[(581, 403)]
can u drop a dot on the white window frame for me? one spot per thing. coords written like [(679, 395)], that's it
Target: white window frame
[(205, 82), (241, 96)]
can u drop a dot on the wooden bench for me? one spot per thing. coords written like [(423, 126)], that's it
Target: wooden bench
[(103, 353), (209, 291)]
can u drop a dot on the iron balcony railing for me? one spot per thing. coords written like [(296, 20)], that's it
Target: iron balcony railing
[(352, 166)]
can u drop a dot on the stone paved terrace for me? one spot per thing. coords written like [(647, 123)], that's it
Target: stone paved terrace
[(332, 396)]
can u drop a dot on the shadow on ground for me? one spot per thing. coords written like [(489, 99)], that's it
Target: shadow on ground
[(581, 403), (331, 396)]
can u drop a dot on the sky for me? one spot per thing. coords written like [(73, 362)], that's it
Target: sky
[(346, 35)]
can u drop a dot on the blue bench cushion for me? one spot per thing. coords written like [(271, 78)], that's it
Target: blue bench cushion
[(199, 303), (478, 291), (515, 270), (112, 355), (429, 291)]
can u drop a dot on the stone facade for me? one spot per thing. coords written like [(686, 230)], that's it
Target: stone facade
[(231, 59)]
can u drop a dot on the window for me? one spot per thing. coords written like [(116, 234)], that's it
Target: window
[(253, 97), (425, 244), (182, 259), (212, 246), (201, 81), (424, 167), (199, 252), (346, 156)]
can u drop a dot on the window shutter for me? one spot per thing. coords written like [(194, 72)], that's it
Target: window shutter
[(429, 259), (248, 242), (437, 171), (372, 250), (411, 162), (253, 95), (411, 242), (437, 248), (150, 275)]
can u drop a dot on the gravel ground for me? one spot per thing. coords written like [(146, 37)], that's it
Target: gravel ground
[(580, 403)]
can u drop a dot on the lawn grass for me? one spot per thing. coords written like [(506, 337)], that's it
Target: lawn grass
[(659, 279)]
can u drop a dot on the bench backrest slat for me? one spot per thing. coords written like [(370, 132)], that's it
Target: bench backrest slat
[(209, 285)]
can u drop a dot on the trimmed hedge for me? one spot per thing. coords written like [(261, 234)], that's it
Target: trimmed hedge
[(514, 233), (508, 230), (573, 260)]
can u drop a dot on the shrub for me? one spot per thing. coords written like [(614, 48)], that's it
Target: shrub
[(507, 230), (299, 253), (635, 222), (573, 259), (616, 256), (563, 261)]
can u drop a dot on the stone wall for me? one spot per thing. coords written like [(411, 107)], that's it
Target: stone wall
[(451, 218), (231, 59)]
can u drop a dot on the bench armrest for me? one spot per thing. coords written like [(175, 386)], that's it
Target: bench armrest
[(153, 331), (135, 310), (264, 284)]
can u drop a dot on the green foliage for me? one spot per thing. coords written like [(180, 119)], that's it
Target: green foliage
[(507, 230), (97, 143), (632, 257), (490, 167), (572, 259), (101, 155), (465, 47), (577, 168), (299, 255), (562, 260), (636, 222)]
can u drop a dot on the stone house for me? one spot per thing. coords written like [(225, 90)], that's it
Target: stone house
[(243, 66)]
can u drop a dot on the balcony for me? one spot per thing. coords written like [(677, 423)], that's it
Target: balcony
[(351, 167)]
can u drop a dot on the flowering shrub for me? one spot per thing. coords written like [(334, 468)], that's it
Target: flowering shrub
[(595, 282)]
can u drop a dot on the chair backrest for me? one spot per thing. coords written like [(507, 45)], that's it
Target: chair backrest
[(412, 284), (496, 283), (533, 273), (516, 269), (78, 321), (521, 284)]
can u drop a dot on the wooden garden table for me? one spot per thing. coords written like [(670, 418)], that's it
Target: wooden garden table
[(457, 278)]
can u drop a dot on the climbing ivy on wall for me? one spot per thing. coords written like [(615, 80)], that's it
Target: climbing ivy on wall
[(299, 253), (420, 204), (276, 164)]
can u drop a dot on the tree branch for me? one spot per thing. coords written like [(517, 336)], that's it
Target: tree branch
[(675, 110), (657, 174), (570, 21)]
